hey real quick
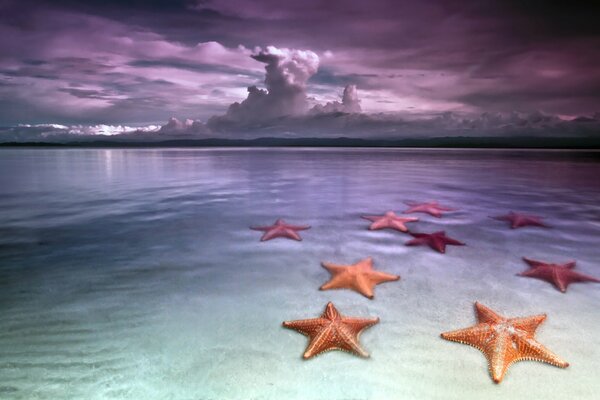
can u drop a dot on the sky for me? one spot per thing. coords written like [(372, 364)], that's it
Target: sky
[(238, 65)]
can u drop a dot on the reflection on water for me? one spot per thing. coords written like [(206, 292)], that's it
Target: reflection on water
[(132, 274)]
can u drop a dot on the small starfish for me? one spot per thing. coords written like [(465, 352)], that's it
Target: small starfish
[(560, 275), (436, 240), (389, 220), (332, 331), (505, 340), (280, 229), (360, 277), (432, 208), (518, 220)]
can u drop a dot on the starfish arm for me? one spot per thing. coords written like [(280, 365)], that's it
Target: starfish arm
[(579, 277), (334, 269), (416, 242), (349, 341), (261, 228), (531, 349), (486, 314), (500, 354), (307, 327), (371, 218), (336, 282), (320, 343), (559, 281), (528, 324), (271, 234), (357, 325), (473, 336), (298, 227), (534, 263), (399, 226), (570, 264), (364, 286), (381, 277), (290, 233), (382, 223), (438, 244), (453, 241)]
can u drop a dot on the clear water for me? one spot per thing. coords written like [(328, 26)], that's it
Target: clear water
[(132, 274)]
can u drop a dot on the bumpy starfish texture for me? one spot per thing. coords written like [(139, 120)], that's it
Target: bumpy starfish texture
[(436, 240), (431, 208), (389, 220), (332, 331), (280, 229), (360, 277), (505, 340), (518, 220), (560, 275)]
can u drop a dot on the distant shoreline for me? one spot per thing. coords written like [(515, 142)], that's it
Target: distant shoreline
[(582, 143)]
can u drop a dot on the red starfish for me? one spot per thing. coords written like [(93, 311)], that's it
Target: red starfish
[(518, 220), (436, 240), (280, 229), (389, 220), (432, 208), (560, 275)]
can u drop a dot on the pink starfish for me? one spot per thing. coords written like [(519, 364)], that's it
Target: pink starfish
[(389, 220), (436, 240), (431, 208), (280, 229), (518, 220), (560, 275)]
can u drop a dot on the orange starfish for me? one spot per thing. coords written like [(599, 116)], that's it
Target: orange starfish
[(360, 277), (505, 340), (389, 220), (332, 331), (560, 275)]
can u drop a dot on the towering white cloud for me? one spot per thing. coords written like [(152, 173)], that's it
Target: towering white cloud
[(350, 103), (287, 72)]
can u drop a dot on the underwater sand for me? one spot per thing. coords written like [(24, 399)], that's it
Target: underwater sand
[(132, 274)]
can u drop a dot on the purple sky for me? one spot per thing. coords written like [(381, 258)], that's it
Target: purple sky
[(141, 62)]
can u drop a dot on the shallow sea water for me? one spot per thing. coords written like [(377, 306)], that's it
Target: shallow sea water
[(132, 274)]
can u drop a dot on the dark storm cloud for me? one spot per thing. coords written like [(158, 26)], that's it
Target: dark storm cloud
[(139, 61)]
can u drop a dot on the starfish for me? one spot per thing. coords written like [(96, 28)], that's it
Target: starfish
[(436, 240), (505, 340), (360, 277), (432, 208), (389, 220), (560, 275), (332, 331), (518, 220), (280, 229)]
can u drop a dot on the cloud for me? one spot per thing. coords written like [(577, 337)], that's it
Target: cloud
[(350, 103), (287, 74)]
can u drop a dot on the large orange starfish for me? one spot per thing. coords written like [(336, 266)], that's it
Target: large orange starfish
[(505, 340), (560, 275), (389, 220), (360, 277), (332, 331)]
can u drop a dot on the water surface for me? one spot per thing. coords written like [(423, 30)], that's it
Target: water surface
[(132, 274)]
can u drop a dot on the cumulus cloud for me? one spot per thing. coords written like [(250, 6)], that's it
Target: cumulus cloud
[(287, 73), (350, 103)]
